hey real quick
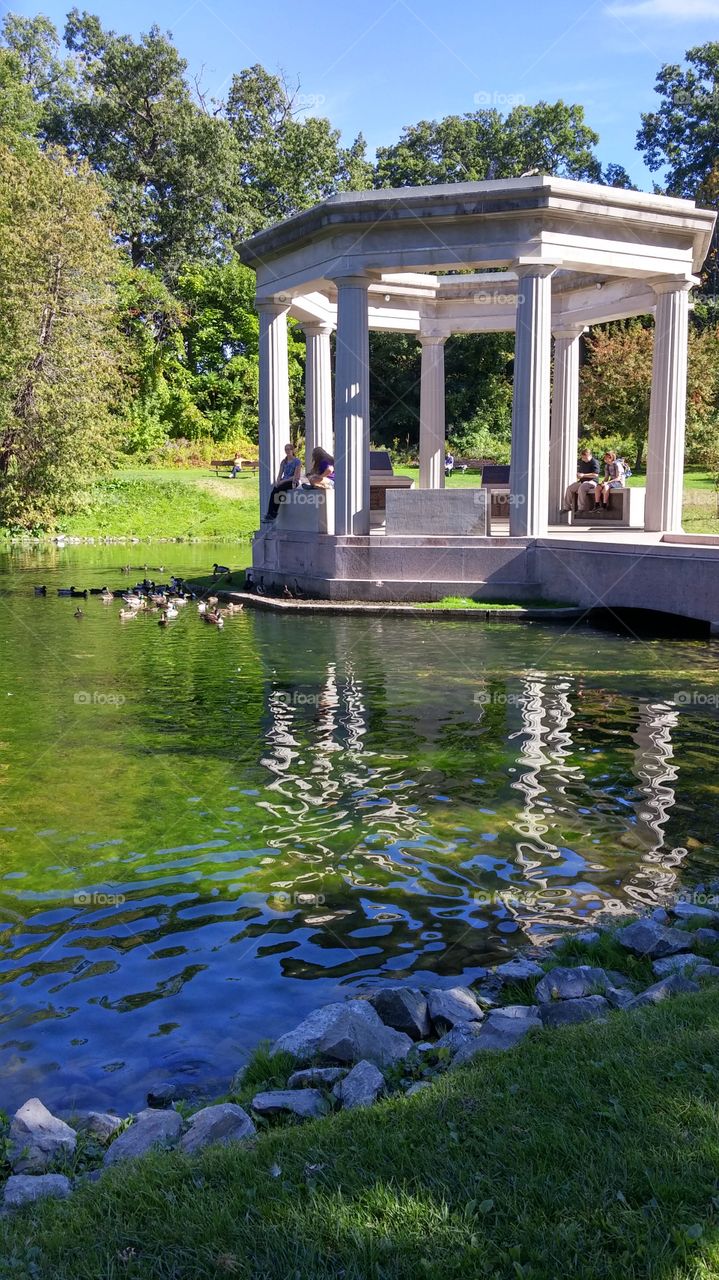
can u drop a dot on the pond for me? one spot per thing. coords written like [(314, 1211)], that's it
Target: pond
[(204, 835)]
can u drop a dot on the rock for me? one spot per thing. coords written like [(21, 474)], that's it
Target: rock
[(163, 1096), (518, 970), (314, 1076), (687, 911), (37, 1138), (708, 937), (22, 1188), (618, 997), (525, 1011), (403, 1008), (305, 1103), (223, 1123), (571, 984), (675, 964), (588, 937), (562, 1013), (361, 1087), (148, 1129), (417, 1087), (619, 981), (648, 939), (101, 1124), (706, 971), (459, 1035), (447, 1008), (496, 1035), (424, 1046), (675, 985), (487, 994), (345, 1033), (660, 915)]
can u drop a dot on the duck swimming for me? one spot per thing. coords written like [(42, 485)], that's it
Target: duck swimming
[(127, 614)]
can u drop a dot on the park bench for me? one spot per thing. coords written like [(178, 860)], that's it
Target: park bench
[(473, 464), (226, 464), (382, 478), (495, 477)]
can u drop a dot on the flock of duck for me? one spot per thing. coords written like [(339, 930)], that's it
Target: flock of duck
[(165, 598)]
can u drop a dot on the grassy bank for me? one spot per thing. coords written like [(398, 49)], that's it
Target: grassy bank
[(591, 1152), (168, 504)]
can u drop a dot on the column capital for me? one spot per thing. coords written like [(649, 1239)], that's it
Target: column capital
[(433, 339), (315, 328), (537, 267), (569, 330), (271, 307), (355, 280), (677, 285)]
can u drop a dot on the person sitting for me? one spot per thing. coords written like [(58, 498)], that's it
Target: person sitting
[(288, 477), (448, 463), (321, 474), (613, 479), (236, 466), (584, 486)]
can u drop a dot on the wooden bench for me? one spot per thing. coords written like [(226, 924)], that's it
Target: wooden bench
[(495, 478), (226, 464)]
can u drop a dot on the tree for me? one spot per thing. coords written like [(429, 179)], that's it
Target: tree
[(286, 163), (167, 164), (18, 113), (59, 352), (548, 137)]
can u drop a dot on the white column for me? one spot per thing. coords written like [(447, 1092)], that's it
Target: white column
[(667, 412), (431, 413), (318, 389), (352, 407), (529, 474), (564, 421), (274, 397)]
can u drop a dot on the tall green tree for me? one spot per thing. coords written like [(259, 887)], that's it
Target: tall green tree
[(59, 353)]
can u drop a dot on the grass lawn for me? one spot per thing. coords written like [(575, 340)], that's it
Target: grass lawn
[(590, 1153)]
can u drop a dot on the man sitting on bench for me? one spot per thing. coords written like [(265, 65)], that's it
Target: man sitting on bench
[(585, 484)]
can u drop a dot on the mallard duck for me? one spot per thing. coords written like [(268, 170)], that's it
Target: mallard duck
[(231, 607), (106, 596), (213, 600), (214, 618), (79, 613), (127, 614), (220, 568), (133, 600), (40, 591), (164, 620), (171, 611), (202, 606)]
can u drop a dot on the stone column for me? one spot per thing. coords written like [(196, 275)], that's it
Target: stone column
[(529, 474), (274, 397), (431, 413), (564, 421), (667, 412), (318, 389), (352, 407)]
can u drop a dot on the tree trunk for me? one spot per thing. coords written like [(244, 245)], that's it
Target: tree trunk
[(25, 398)]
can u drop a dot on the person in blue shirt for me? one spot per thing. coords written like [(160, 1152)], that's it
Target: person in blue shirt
[(288, 477)]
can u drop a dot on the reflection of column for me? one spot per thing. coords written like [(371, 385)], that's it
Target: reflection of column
[(431, 413), (533, 756), (655, 774), (667, 413), (274, 394), (528, 477), (318, 389), (352, 407), (564, 422)]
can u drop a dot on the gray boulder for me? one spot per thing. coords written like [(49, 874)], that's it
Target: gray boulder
[(709, 937), (459, 1035), (685, 912), (706, 971), (403, 1008), (588, 936), (447, 1008), (519, 969), (305, 1103), (676, 964), (37, 1138), (345, 1033), (498, 1034), (417, 1087), (361, 1087), (23, 1188), (571, 984), (522, 1011), (651, 940), (563, 1013), (311, 1077), (675, 985), (101, 1124), (150, 1128), (223, 1123), (618, 997)]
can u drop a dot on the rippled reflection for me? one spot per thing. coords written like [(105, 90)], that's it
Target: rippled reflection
[(297, 807)]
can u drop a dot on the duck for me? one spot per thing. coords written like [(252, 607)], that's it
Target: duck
[(77, 594), (40, 591), (164, 620), (171, 611), (126, 568), (127, 614), (217, 569), (106, 595), (213, 600), (287, 594), (214, 618), (79, 613), (202, 606), (231, 607), (134, 600)]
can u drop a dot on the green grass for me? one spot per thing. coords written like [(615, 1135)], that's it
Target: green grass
[(590, 1153), (466, 602), (168, 504)]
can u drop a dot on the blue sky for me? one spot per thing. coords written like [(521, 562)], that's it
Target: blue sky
[(381, 64)]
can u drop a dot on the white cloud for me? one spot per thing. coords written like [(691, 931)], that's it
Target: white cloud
[(670, 10)]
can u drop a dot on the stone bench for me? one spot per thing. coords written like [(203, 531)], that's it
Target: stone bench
[(625, 510), (443, 512), (305, 511)]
